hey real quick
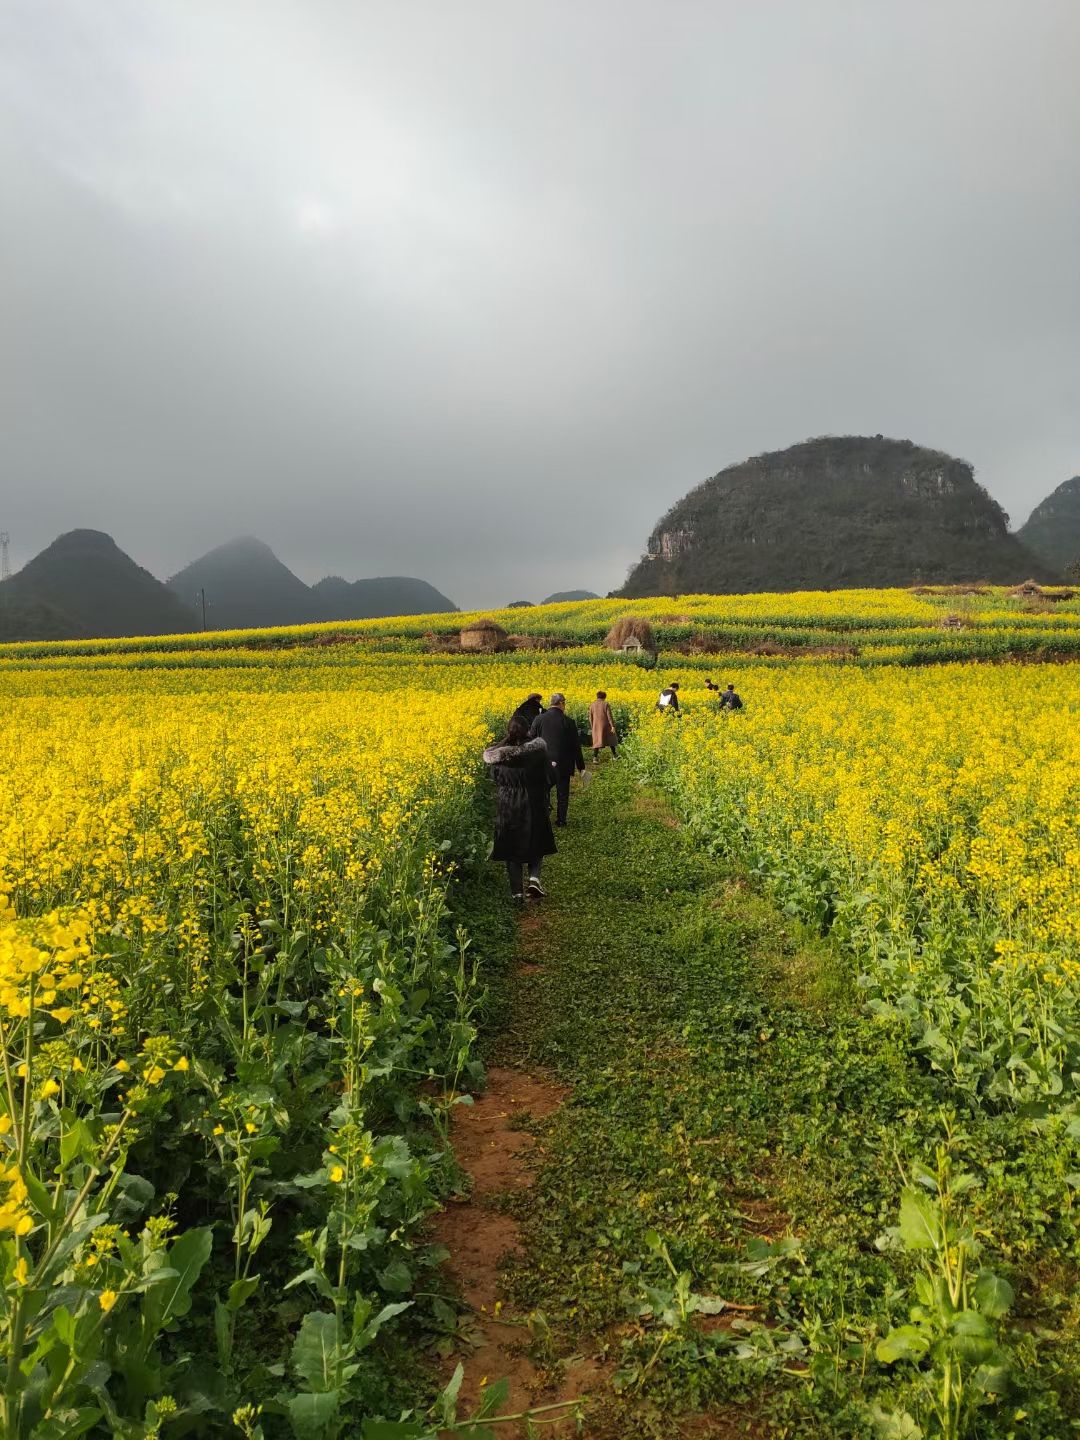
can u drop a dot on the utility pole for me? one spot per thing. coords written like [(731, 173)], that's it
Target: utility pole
[(5, 557), (201, 597)]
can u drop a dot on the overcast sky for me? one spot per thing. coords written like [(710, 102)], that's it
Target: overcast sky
[(475, 290)]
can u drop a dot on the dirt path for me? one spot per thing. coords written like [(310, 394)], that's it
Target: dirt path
[(493, 1153), (498, 1156), (617, 1109)]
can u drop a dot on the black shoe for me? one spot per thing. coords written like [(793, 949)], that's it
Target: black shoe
[(536, 890), (518, 899)]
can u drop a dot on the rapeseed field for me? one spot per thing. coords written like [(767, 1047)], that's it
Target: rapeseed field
[(240, 989)]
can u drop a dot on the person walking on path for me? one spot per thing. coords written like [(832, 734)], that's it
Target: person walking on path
[(530, 708), (602, 724), (560, 735), (523, 834)]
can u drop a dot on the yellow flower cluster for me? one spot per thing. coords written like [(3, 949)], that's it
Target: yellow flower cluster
[(125, 813), (932, 816)]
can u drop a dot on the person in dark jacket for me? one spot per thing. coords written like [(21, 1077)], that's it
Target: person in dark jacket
[(560, 735), (668, 704), (523, 834), (730, 699), (529, 709)]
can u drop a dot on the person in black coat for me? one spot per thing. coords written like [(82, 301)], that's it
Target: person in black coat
[(560, 735), (529, 709), (730, 699), (523, 834)]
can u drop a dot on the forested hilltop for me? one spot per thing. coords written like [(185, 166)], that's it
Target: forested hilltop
[(834, 513), (1052, 530)]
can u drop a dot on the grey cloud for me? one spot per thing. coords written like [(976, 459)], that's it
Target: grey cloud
[(474, 292)]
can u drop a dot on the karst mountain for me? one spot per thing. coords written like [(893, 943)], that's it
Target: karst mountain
[(1052, 530), (834, 513), (247, 587), (84, 586)]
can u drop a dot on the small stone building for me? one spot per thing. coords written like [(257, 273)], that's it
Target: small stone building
[(482, 635), (632, 635)]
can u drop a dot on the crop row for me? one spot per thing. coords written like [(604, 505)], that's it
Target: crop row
[(930, 822), (806, 618), (226, 963)]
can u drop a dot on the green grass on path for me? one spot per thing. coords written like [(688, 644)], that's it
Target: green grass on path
[(728, 1090)]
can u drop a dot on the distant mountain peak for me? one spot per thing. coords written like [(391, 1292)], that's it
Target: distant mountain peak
[(84, 584), (242, 545), (85, 539), (246, 587), (377, 597)]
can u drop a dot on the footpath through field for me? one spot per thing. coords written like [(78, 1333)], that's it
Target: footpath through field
[(696, 1081)]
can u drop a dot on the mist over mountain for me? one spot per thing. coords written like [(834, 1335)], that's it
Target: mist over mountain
[(834, 513), (84, 584), (1052, 530), (246, 586)]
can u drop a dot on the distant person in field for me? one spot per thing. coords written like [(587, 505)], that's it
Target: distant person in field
[(711, 684), (602, 725), (668, 704), (730, 699), (523, 834), (530, 708), (560, 735)]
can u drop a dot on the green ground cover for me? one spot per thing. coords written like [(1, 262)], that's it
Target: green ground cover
[(740, 1128)]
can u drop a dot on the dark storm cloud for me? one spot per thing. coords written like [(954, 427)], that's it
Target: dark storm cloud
[(475, 291)]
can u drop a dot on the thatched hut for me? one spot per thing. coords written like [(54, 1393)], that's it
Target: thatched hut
[(482, 635), (632, 634)]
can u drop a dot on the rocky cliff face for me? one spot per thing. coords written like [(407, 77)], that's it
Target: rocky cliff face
[(1052, 530), (829, 514)]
